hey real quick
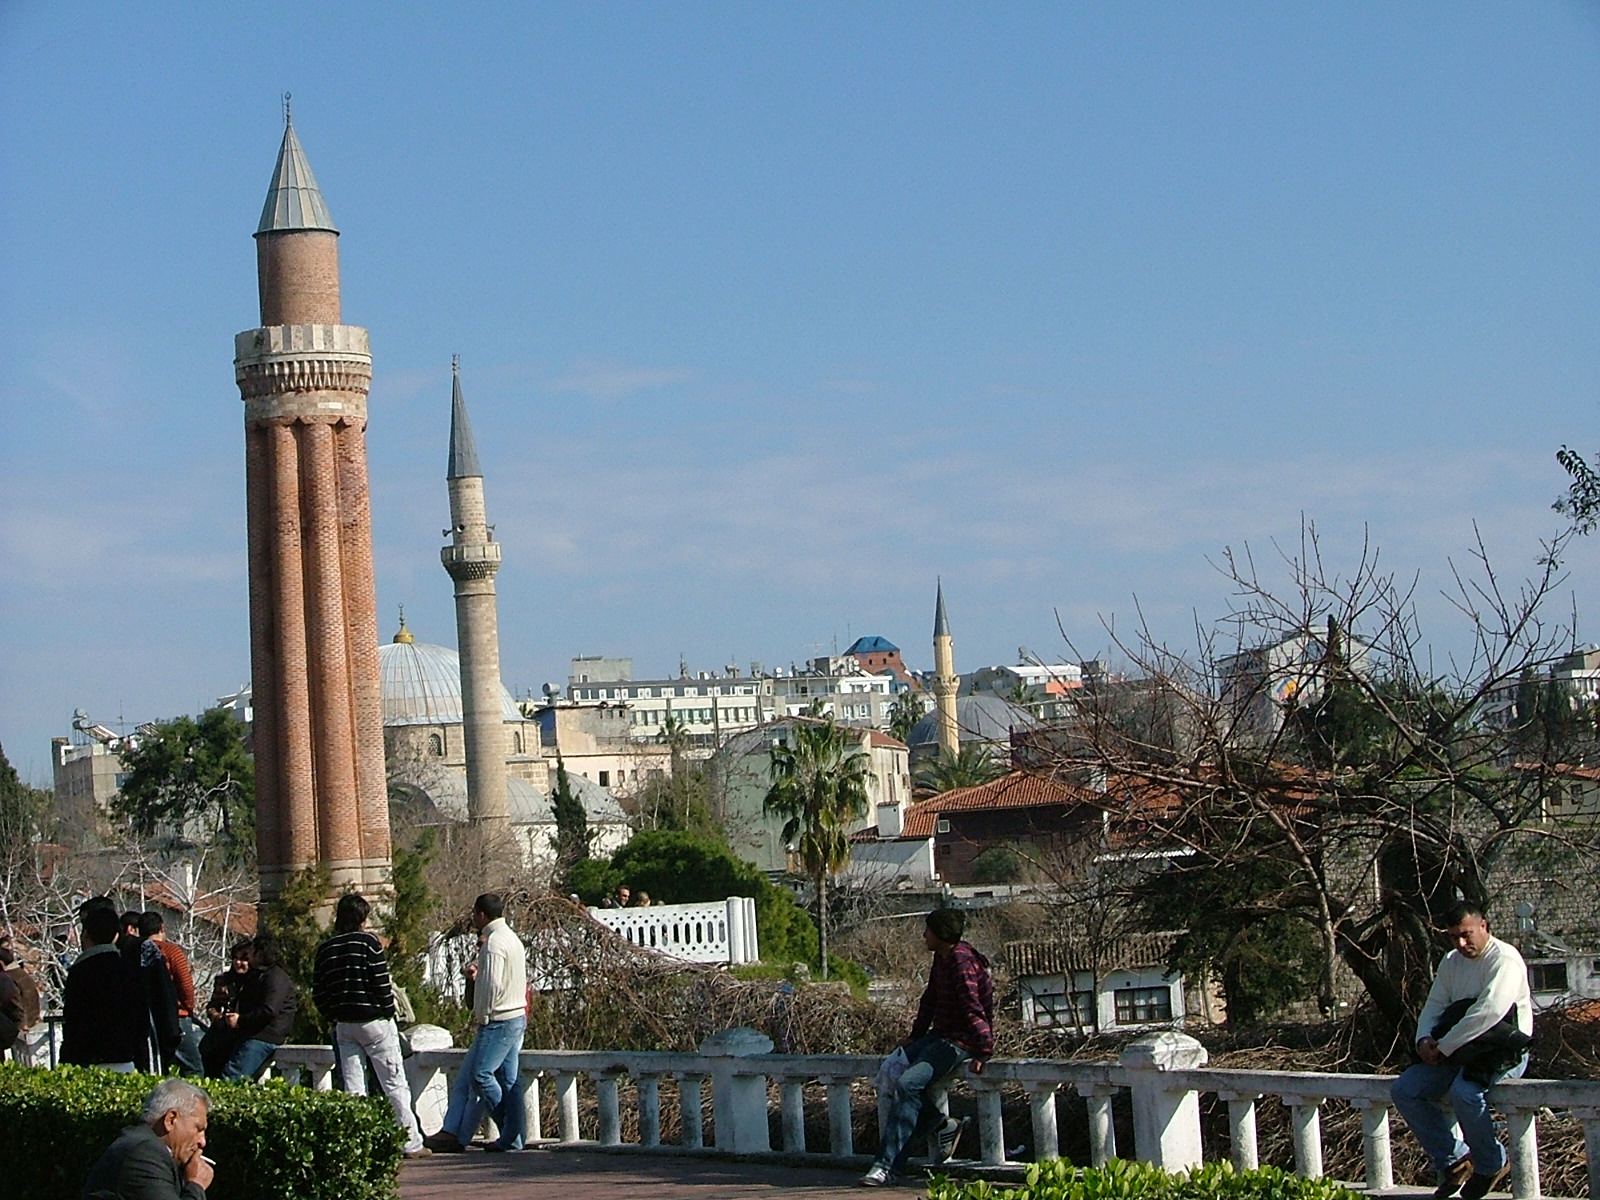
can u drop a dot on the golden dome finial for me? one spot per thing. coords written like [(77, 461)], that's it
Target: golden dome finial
[(403, 636)]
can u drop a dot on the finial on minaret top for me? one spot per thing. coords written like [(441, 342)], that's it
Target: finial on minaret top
[(463, 450), (287, 120)]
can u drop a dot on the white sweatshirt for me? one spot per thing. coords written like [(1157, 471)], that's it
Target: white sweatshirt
[(501, 990), (1497, 979)]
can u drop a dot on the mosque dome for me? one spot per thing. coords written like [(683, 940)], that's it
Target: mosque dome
[(981, 718), (421, 684)]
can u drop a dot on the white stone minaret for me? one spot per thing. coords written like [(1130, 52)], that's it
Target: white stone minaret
[(945, 680), (472, 558)]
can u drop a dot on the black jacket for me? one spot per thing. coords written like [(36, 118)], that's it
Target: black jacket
[(266, 1009), (138, 1166), (1493, 1052), (350, 981), (105, 1018)]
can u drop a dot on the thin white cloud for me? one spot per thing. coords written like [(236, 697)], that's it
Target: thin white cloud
[(611, 381)]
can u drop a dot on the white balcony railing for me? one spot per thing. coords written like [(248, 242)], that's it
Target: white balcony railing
[(1164, 1073), (719, 931)]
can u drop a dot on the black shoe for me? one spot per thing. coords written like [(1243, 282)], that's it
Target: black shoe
[(948, 1138), (1452, 1177), (1480, 1186), (443, 1143)]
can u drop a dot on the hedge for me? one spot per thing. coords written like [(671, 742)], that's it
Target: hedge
[(1123, 1180), (269, 1140)]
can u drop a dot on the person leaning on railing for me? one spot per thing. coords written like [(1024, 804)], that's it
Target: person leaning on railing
[(954, 1025), (1474, 1031)]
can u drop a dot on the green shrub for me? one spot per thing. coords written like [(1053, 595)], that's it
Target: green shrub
[(1122, 1180), (269, 1141)]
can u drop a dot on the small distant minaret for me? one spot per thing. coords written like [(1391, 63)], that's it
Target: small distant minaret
[(945, 680), (472, 558)]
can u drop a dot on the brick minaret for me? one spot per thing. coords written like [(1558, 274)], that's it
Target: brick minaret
[(945, 679), (472, 558), (321, 796)]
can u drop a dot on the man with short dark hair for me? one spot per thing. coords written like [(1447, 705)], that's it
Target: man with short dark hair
[(186, 1054), (161, 1158), (488, 1076), (104, 1021), (352, 990), (161, 998), (954, 1025), (1473, 1032)]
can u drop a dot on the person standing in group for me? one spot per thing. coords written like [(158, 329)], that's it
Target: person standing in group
[(27, 999), (488, 1074), (352, 991), (153, 927), (161, 998), (1473, 1032), (954, 1025), (105, 1021), (266, 1015), (227, 994)]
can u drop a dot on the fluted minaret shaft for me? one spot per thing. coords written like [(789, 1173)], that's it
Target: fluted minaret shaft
[(945, 680), (321, 794), (472, 558)]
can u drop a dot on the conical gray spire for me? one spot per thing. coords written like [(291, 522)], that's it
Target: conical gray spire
[(463, 450), (941, 623), (293, 201)]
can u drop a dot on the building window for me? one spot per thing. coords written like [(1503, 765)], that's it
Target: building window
[(516, 743), (941, 826), (1548, 977), (435, 745), (1058, 1011), (605, 778), (1140, 1006)]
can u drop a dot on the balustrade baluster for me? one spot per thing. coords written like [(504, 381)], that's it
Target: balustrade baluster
[(1591, 1144), (567, 1104), (649, 1110), (841, 1137), (792, 1094), (694, 1129), (1102, 1129), (605, 1083), (1523, 1133), (1046, 1138), (322, 1077), (532, 1110), (1375, 1144), (1305, 1116), (991, 1127), (1242, 1128)]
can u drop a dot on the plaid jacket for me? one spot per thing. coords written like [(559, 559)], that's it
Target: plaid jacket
[(958, 1003)]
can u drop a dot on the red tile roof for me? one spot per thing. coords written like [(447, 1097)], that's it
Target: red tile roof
[(1016, 790)]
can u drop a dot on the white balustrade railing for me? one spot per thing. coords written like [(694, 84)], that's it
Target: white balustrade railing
[(1163, 1073), (718, 931)]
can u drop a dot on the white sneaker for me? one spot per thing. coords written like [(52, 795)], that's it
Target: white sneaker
[(877, 1175)]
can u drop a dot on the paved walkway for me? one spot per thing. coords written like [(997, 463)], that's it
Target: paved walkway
[(570, 1174)]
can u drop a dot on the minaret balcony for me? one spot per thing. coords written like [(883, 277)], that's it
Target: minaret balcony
[(472, 560)]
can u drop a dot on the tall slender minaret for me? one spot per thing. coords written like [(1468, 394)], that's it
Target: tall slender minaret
[(472, 558), (321, 795), (945, 680)]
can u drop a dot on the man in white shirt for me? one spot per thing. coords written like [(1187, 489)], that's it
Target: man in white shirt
[(488, 1077), (1488, 979)]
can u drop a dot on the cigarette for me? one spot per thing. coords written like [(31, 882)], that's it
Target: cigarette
[(208, 1161)]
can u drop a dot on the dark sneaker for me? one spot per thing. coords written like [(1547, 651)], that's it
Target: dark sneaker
[(443, 1143), (1452, 1177), (948, 1138), (1480, 1186)]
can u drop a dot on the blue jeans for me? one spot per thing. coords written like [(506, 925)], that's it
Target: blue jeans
[(247, 1059), (1419, 1094), (488, 1080), (932, 1059)]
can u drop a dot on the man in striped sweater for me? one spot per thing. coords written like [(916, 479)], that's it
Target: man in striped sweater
[(350, 984)]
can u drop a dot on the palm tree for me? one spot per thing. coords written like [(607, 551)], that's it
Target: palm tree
[(819, 783), (973, 764)]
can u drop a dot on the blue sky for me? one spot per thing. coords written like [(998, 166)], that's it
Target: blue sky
[(769, 314)]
